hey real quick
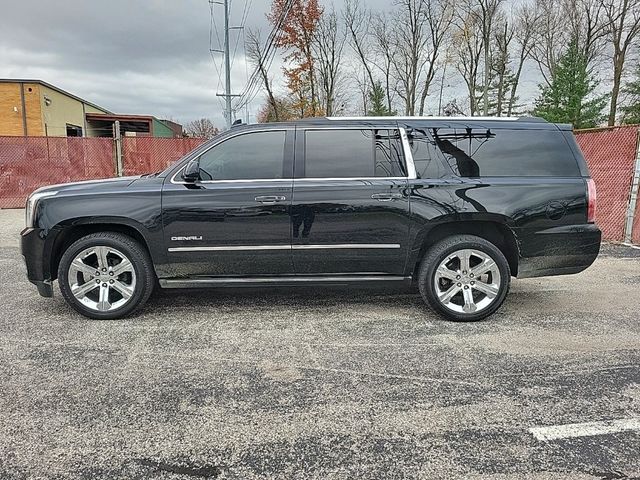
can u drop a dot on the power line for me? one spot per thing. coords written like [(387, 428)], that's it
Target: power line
[(212, 27), (268, 53), (252, 88), (245, 13)]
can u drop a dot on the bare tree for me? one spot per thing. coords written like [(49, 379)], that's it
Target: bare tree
[(201, 128), (328, 45), (503, 36), (559, 23), (624, 24), (439, 15), (526, 21), (410, 37), (256, 55), (549, 39), (588, 26), (468, 47), (486, 10), (356, 19), (383, 45)]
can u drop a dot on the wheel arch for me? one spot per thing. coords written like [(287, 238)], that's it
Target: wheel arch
[(498, 233), (72, 230)]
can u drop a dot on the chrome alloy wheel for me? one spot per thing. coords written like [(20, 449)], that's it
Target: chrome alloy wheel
[(467, 281), (102, 278)]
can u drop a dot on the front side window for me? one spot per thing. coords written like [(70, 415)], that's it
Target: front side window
[(252, 156), (353, 154)]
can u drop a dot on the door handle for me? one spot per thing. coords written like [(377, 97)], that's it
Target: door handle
[(386, 197), (270, 199)]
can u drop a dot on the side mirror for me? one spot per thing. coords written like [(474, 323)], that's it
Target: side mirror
[(191, 173)]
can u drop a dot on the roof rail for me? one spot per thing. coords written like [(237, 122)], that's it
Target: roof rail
[(499, 119)]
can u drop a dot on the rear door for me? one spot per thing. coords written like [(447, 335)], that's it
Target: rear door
[(350, 210), (235, 220)]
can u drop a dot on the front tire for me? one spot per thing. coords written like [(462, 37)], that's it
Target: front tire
[(464, 278), (106, 275)]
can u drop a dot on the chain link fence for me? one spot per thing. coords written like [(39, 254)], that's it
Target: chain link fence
[(612, 155), (27, 163), (149, 154)]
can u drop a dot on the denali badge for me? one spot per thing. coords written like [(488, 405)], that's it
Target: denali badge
[(186, 239)]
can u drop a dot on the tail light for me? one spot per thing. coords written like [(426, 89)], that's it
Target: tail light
[(591, 200)]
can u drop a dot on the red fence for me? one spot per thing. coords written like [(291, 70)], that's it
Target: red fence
[(149, 154), (27, 163), (611, 155)]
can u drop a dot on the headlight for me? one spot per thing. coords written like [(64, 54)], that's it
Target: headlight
[(32, 204)]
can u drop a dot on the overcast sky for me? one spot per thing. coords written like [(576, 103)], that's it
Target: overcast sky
[(131, 56), (128, 56)]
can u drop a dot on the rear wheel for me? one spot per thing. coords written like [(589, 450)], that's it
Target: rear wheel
[(106, 275), (464, 278)]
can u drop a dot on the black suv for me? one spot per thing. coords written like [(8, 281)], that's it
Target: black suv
[(454, 205)]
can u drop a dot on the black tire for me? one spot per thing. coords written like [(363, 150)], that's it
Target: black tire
[(139, 258), (443, 249)]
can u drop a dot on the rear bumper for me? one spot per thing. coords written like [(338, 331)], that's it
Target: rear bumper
[(33, 246), (558, 251)]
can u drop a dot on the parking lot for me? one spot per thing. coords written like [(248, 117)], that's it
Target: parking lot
[(324, 384)]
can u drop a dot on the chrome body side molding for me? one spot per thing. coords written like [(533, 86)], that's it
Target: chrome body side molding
[(251, 248)]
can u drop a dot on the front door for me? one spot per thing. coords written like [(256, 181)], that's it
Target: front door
[(235, 220), (350, 211)]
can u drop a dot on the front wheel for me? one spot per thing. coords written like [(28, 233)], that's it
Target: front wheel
[(106, 275), (464, 278)]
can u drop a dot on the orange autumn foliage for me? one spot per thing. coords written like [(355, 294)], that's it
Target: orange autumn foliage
[(295, 36)]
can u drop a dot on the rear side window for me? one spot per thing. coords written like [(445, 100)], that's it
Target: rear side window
[(482, 152), (353, 154)]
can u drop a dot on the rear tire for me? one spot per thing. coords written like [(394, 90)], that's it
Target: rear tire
[(464, 278), (106, 275)]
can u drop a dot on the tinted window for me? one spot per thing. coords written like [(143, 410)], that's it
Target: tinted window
[(482, 152), (251, 156), (425, 157), (353, 154)]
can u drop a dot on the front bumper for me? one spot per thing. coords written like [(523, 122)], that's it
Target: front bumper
[(33, 245), (558, 251)]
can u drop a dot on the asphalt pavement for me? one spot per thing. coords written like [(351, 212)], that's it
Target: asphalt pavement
[(324, 384)]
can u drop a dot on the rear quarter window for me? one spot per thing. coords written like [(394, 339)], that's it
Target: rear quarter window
[(485, 152)]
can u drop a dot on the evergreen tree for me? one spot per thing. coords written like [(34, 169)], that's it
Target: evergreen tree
[(569, 98), (498, 95), (631, 112), (378, 102)]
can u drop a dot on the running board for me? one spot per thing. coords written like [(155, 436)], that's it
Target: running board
[(296, 280)]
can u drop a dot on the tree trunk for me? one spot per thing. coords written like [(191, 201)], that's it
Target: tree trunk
[(388, 88), (430, 74), (514, 87), (272, 99), (487, 66), (618, 63)]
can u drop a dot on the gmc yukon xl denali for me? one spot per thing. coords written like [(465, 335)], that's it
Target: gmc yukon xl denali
[(456, 206)]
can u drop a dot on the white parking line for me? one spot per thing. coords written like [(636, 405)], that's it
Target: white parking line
[(573, 430)]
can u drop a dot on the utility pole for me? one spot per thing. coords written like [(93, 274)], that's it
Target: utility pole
[(228, 113), (227, 65)]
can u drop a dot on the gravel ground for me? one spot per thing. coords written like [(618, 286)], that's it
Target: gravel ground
[(321, 384)]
